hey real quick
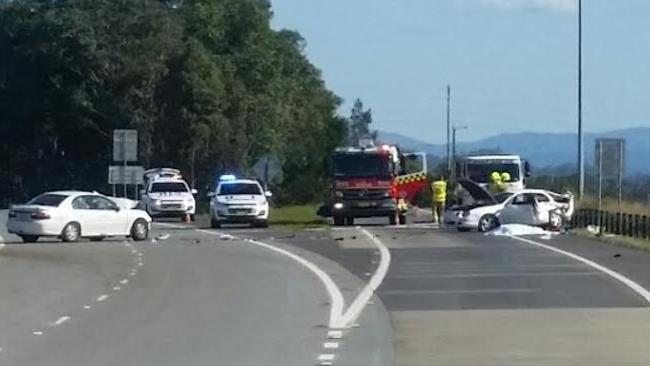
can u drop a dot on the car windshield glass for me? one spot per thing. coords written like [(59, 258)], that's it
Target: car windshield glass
[(480, 172), (500, 197), (169, 187), (361, 165), (239, 188), (53, 200)]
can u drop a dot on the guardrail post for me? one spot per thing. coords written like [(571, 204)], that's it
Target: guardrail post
[(637, 230), (630, 220), (617, 223), (644, 227), (624, 224)]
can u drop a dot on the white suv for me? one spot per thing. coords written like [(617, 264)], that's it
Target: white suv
[(168, 196), (239, 201)]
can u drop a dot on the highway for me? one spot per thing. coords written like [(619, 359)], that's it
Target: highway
[(261, 296)]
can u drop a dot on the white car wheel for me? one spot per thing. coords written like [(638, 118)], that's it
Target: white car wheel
[(71, 232), (140, 230), (487, 223)]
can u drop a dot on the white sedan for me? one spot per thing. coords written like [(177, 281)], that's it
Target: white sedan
[(535, 207), (70, 215)]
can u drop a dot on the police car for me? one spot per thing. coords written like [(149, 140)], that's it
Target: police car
[(166, 194), (239, 201)]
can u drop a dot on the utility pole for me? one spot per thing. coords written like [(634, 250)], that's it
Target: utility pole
[(581, 140), (448, 126)]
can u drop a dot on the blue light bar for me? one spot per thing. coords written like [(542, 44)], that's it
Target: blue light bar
[(227, 178)]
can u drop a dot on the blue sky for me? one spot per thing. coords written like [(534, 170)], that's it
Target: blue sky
[(511, 63)]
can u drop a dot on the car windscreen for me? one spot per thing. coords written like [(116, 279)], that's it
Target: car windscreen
[(361, 165), (53, 200), (480, 172), (239, 188), (501, 197), (168, 187)]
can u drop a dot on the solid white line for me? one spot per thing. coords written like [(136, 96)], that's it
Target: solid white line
[(331, 345), (645, 294), (377, 278), (102, 298), (60, 321), (333, 291)]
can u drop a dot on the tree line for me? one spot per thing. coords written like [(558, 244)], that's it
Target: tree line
[(209, 86)]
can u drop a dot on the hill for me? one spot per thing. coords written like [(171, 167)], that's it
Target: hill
[(544, 150)]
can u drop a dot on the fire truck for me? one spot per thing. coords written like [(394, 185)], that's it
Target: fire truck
[(372, 181)]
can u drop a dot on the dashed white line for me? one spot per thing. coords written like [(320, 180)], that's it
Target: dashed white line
[(102, 298), (326, 357), (331, 345), (60, 321), (87, 307), (335, 334), (132, 274), (644, 293), (140, 264), (116, 288), (124, 281), (37, 333)]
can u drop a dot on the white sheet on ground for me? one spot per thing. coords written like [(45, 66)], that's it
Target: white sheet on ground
[(519, 229)]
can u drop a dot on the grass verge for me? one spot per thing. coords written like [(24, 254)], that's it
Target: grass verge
[(622, 241), (299, 216)]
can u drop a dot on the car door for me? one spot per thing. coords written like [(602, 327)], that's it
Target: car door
[(85, 214), (544, 206), (519, 209), (113, 220)]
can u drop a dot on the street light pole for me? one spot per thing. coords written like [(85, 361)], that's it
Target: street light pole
[(453, 143), (581, 157)]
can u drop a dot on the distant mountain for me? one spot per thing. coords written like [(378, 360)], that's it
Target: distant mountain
[(544, 150)]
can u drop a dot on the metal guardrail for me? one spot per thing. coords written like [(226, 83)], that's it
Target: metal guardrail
[(635, 226)]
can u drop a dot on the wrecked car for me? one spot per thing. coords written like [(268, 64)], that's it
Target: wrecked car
[(535, 207)]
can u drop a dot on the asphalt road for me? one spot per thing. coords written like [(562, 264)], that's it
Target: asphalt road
[(192, 299), (446, 299)]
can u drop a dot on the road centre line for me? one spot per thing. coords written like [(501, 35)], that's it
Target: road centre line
[(338, 318), (640, 290)]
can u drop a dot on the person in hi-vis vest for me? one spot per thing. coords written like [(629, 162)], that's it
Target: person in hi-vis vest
[(438, 199)]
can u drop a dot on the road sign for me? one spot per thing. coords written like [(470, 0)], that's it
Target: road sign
[(125, 145), (610, 163), (119, 174), (612, 151)]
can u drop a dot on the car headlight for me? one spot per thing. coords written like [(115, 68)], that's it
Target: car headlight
[(156, 202), (338, 206), (338, 194)]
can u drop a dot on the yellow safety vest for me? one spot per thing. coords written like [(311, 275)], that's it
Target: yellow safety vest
[(439, 190)]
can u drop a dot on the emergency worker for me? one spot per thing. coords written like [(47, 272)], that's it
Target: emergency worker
[(495, 182), (438, 199)]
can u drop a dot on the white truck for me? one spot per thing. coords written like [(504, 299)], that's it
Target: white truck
[(166, 194), (478, 168)]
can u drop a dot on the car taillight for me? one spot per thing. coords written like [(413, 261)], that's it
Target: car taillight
[(12, 214), (40, 216)]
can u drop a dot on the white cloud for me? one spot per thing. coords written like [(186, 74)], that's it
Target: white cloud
[(554, 5)]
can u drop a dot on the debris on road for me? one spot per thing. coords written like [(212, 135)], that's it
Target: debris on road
[(163, 237), (226, 237), (339, 239)]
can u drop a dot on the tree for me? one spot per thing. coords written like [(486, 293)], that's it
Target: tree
[(359, 124)]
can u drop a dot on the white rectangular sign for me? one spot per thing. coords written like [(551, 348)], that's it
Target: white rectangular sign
[(125, 145), (119, 174)]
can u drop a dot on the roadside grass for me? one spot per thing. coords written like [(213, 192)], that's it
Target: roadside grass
[(618, 240), (296, 216), (611, 205)]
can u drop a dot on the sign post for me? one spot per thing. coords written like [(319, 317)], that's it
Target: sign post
[(610, 161), (125, 150)]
